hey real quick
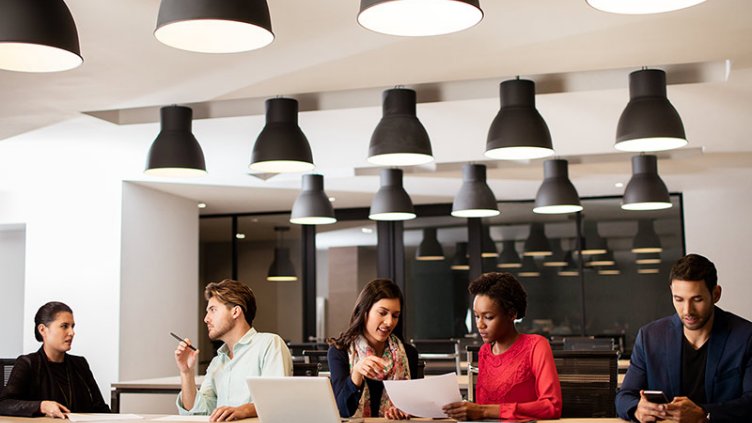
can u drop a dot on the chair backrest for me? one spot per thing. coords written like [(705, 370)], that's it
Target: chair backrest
[(317, 356), (7, 366), (296, 349), (588, 382), (305, 369), (472, 370), (441, 355), (588, 343)]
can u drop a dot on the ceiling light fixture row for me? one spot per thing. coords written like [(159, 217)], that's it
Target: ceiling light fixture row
[(399, 139), (42, 36)]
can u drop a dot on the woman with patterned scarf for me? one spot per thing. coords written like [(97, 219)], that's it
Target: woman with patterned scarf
[(369, 352)]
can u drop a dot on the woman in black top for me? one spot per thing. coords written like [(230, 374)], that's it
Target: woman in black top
[(51, 382), (369, 352)]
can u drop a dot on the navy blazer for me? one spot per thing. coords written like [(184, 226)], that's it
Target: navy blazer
[(656, 364)]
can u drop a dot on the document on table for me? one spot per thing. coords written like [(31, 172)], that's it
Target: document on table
[(424, 397), (94, 417), (177, 418)]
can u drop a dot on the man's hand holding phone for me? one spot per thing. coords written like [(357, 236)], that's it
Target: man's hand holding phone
[(652, 406)]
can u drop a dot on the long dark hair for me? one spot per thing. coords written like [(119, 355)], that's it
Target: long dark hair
[(377, 289), (47, 314)]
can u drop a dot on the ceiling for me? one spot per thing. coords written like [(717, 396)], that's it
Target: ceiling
[(321, 51)]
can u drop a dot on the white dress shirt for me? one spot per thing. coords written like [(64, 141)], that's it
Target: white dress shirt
[(255, 354)]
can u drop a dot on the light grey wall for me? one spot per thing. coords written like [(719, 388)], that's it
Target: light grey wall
[(12, 258), (158, 290), (717, 224)]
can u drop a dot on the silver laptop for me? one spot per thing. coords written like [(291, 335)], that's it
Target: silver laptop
[(294, 399)]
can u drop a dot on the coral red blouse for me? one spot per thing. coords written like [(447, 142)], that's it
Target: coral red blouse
[(522, 380)]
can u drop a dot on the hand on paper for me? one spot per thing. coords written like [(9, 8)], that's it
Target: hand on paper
[(53, 409), (227, 414), (394, 413), (185, 357), (464, 410)]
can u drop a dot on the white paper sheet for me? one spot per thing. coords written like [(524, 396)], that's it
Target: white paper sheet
[(94, 417), (182, 419), (424, 397)]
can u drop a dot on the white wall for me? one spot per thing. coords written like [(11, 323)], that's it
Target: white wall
[(717, 225), (12, 258), (158, 288)]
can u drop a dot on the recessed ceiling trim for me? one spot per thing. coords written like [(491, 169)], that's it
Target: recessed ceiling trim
[(551, 83)]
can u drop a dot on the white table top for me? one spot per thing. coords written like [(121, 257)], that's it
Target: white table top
[(152, 417)]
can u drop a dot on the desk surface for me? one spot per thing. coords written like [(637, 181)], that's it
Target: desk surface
[(173, 382), (369, 420)]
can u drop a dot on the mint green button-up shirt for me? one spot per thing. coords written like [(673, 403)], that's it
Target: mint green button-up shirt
[(255, 354)]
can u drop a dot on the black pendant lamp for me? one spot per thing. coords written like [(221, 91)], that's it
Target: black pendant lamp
[(536, 244), (600, 260), (556, 259), (645, 190), (592, 242), (391, 201), (487, 244), (529, 269), (649, 122), (429, 249), (648, 258), (648, 269), (612, 270), (312, 207), (399, 139), (641, 7), (460, 261), (571, 268), (646, 240), (281, 269), (475, 198), (518, 132), (175, 152), (214, 26), (281, 146), (412, 18), (509, 259), (38, 36), (557, 194)]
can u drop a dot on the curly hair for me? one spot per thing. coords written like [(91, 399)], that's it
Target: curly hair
[(504, 289)]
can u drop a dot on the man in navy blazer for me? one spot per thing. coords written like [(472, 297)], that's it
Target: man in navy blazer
[(701, 357)]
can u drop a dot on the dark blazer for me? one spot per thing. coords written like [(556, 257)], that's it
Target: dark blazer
[(656, 364), (31, 382), (345, 391)]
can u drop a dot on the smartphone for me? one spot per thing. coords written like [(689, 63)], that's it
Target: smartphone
[(657, 397)]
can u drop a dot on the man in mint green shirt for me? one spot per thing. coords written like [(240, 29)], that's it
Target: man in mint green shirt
[(224, 394)]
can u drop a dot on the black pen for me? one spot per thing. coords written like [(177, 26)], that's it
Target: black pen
[(183, 340)]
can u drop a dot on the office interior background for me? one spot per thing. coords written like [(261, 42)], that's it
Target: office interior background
[(81, 223)]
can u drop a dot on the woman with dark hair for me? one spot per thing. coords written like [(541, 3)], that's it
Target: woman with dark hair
[(517, 378), (51, 382), (370, 351)]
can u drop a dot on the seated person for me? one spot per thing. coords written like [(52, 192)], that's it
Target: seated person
[(701, 357), (51, 382), (517, 378), (370, 351), (224, 394)]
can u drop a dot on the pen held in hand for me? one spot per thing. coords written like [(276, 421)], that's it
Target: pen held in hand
[(183, 340)]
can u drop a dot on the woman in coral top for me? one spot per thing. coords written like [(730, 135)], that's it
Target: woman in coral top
[(517, 378)]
